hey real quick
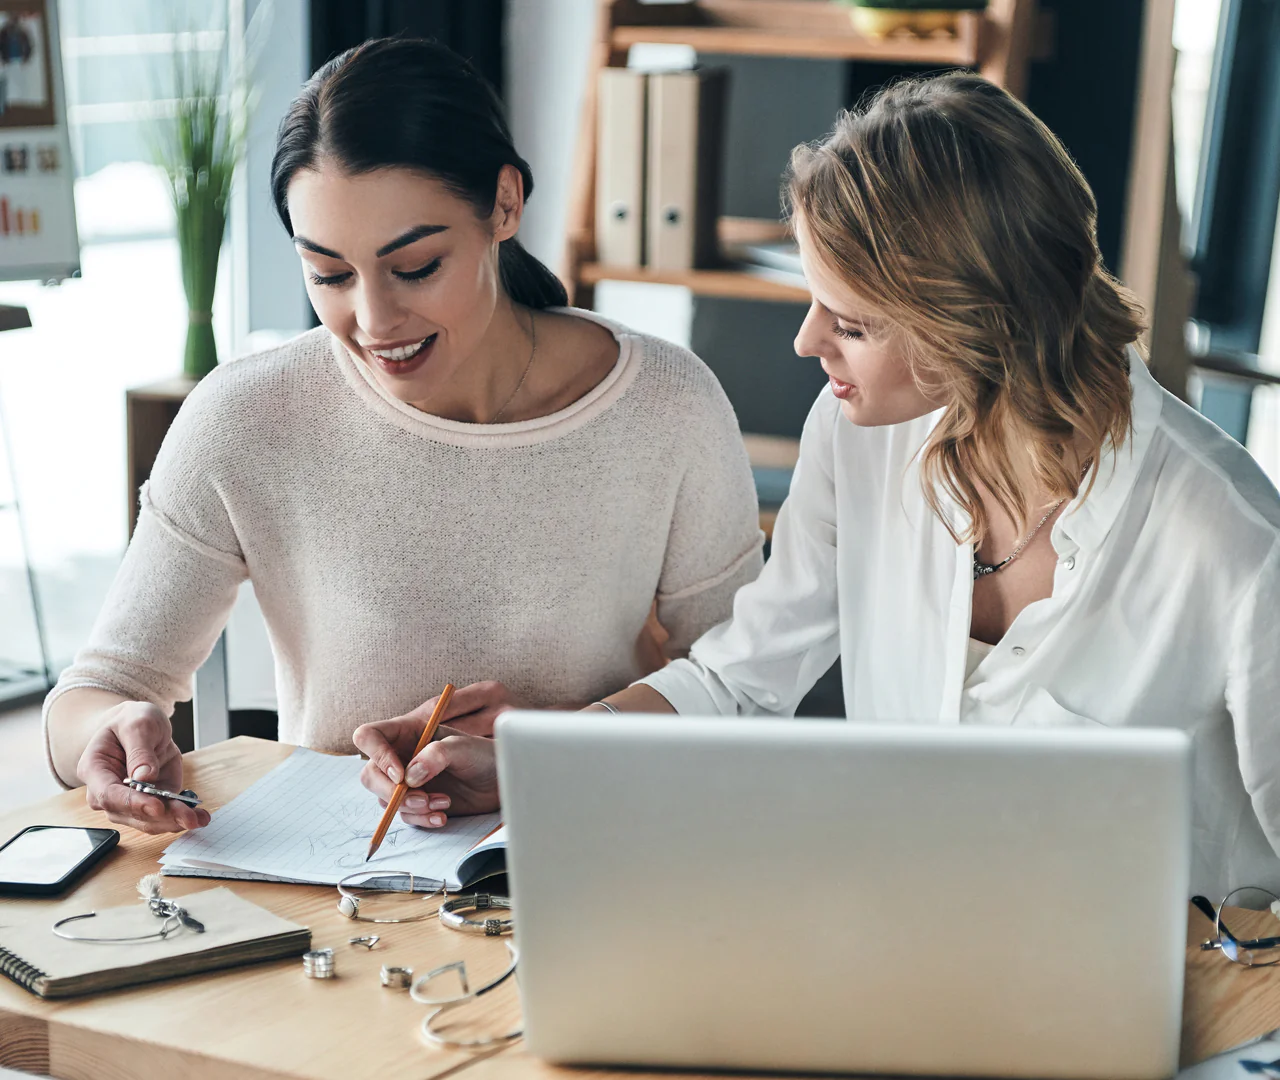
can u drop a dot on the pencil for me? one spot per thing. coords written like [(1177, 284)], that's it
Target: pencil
[(402, 788)]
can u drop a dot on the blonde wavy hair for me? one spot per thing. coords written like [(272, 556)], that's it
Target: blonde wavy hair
[(946, 204)]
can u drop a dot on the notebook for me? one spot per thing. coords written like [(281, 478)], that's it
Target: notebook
[(236, 932), (310, 820)]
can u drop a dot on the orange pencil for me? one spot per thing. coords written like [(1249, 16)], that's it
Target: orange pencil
[(402, 788)]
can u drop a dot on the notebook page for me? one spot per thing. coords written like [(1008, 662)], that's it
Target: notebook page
[(311, 820)]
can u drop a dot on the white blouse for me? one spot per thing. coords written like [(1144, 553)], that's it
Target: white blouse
[(1165, 612)]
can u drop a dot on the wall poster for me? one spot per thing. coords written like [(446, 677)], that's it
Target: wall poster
[(38, 238)]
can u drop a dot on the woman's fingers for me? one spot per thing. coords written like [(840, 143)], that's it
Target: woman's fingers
[(146, 813), (424, 820), (372, 741), (479, 722), (377, 781), (420, 802)]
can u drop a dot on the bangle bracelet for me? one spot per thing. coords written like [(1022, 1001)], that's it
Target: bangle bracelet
[(476, 902), (606, 705)]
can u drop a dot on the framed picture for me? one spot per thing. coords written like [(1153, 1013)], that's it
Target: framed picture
[(26, 66)]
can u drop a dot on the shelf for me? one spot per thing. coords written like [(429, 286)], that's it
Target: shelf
[(730, 282), (813, 29), (772, 451), (174, 390)]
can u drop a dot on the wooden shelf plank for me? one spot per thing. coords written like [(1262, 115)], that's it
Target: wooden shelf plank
[(771, 451), (953, 52), (800, 28), (728, 282)]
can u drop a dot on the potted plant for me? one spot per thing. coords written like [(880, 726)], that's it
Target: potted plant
[(922, 18), (199, 147)]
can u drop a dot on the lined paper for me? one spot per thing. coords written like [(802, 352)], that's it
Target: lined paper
[(310, 820)]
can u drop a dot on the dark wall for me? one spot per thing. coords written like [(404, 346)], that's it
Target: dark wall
[(1086, 94), (470, 27)]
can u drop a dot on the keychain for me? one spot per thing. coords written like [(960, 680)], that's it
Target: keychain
[(186, 795)]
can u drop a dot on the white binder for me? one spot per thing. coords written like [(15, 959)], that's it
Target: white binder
[(620, 166), (686, 142)]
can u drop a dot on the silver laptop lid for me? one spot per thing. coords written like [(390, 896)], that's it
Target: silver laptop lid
[(827, 896)]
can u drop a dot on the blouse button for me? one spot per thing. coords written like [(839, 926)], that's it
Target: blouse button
[(1069, 563), (1018, 650)]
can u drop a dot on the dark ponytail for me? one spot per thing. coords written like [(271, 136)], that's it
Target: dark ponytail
[(410, 103)]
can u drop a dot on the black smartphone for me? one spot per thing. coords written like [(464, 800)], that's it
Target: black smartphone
[(43, 860)]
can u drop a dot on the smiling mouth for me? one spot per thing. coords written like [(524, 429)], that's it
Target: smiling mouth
[(404, 353)]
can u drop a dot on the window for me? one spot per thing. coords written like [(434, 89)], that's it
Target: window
[(123, 323)]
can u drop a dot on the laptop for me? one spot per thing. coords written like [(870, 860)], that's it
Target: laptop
[(821, 896)]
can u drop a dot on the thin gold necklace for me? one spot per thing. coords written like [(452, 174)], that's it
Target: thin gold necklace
[(533, 334)]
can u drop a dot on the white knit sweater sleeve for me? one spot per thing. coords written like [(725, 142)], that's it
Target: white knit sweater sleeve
[(715, 544), (784, 632), (180, 574)]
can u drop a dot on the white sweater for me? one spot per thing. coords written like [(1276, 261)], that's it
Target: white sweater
[(393, 551)]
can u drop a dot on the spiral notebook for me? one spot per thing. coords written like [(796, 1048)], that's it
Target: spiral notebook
[(309, 821), (236, 932)]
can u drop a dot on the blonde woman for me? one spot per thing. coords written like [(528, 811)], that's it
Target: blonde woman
[(998, 516)]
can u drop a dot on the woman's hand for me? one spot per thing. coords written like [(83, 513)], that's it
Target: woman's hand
[(460, 770), (473, 709), (136, 742)]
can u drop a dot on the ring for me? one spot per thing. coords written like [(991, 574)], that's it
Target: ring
[(397, 978), (449, 914)]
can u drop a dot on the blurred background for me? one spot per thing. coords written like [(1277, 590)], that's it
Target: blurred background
[(1172, 110)]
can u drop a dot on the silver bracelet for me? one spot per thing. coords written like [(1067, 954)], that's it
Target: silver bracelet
[(606, 705), (476, 902)]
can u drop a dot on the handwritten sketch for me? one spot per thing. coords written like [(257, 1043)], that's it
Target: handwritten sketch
[(310, 819)]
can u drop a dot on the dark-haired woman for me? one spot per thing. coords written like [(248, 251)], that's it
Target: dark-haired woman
[(454, 478)]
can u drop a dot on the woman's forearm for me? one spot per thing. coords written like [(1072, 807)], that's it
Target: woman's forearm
[(73, 720)]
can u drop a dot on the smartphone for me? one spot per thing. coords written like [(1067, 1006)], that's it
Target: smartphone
[(44, 860)]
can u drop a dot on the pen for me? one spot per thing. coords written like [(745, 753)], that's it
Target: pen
[(402, 788)]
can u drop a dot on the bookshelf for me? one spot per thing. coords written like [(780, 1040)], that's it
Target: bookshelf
[(999, 43)]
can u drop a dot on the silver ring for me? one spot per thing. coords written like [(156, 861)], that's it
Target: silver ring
[(397, 978), (449, 914), (319, 964)]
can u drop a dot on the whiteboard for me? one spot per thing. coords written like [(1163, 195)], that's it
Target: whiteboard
[(38, 238)]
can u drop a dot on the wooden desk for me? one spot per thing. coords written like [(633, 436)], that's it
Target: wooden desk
[(266, 1020), (269, 1021)]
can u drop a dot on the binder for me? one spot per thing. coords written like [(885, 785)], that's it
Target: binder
[(620, 165), (686, 146)]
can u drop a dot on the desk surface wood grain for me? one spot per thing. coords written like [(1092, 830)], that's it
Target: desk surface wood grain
[(269, 1021), (264, 1020)]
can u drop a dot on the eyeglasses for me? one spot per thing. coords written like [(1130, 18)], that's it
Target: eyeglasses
[(1250, 952)]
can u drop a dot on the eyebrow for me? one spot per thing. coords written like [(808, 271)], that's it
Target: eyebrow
[(404, 240), (861, 319), (418, 232)]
